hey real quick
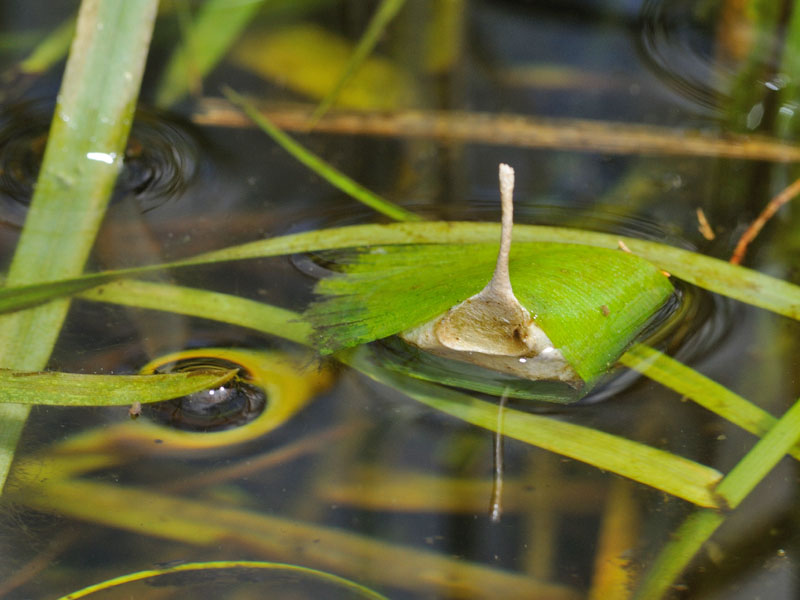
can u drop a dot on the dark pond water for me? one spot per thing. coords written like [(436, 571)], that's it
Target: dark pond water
[(352, 477)]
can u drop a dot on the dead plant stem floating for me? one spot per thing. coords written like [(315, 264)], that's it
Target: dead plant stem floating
[(756, 226), (509, 130)]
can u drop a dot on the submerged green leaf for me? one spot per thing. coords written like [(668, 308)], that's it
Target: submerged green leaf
[(591, 302), (55, 388), (309, 59)]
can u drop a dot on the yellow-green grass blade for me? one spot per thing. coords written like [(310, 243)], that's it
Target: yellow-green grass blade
[(702, 390), (591, 302), (50, 50), (386, 11), (83, 155), (209, 36), (667, 472), (216, 306), (662, 470), (54, 388), (422, 571), (206, 571), (734, 488), (739, 283), (319, 166)]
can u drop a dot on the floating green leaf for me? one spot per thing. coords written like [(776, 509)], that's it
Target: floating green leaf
[(590, 302), (54, 388)]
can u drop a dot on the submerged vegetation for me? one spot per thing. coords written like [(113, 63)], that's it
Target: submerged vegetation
[(604, 302)]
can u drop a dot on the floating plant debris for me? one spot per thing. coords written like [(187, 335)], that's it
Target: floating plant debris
[(572, 312)]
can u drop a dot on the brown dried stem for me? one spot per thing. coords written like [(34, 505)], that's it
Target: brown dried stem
[(755, 227)]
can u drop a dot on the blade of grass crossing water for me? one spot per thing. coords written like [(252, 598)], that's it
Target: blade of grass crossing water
[(739, 283), (205, 304), (83, 156), (78, 389), (208, 37), (387, 11), (702, 390), (319, 166), (662, 470), (734, 488), (50, 50), (354, 590)]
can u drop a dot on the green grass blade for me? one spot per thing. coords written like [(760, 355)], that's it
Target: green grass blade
[(53, 388), (387, 10), (702, 390), (319, 166), (739, 283), (672, 474), (217, 25), (667, 472), (566, 286), (295, 572), (736, 485), (50, 50), (205, 304), (83, 155)]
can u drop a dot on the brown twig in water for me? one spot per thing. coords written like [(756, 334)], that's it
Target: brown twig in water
[(755, 227), (509, 130), (703, 225)]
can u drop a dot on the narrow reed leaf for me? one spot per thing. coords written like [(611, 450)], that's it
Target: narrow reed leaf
[(702, 390), (206, 569), (205, 523), (50, 50), (386, 11), (211, 33), (757, 463), (53, 388), (223, 308), (83, 156), (662, 470), (735, 486), (675, 475), (739, 283), (319, 166)]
